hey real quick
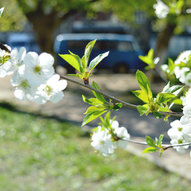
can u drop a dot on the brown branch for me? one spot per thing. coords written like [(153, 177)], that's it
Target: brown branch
[(164, 146), (117, 100)]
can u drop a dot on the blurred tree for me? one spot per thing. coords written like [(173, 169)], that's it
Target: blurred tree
[(46, 15), (173, 23), (127, 10), (13, 18)]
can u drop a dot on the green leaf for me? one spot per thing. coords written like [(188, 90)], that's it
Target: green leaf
[(150, 141), (177, 101), (79, 61), (157, 115), (143, 109), (92, 101), (166, 118), (150, 150), (117, 106), (160, 140), (73, 75), (95, 101), (86, 100), (165, 97), (176, 89), (97, 60), (148, 59), (144, 84), (1, 11), (171, 66), (94, 108), (107, 119), (92, 115), (151, 53), (88, 51), (96, 94), (163, 109), (72, 60), (145, 59), (141, 95), (84, 66)]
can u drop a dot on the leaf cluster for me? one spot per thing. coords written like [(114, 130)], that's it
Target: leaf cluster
[(160, 103), (82, 65), (155, 145), (99, 106), (149, 60), (169, 69)]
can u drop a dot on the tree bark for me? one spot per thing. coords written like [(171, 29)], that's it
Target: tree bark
[(162, 44)]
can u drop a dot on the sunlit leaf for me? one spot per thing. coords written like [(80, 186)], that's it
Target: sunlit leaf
[(92, 115), (97, 60), (144, 84), (88, 51), (150, 150), (72, 60), (96, 94)]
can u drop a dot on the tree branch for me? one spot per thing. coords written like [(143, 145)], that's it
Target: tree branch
[(165, 146), (117, 100)]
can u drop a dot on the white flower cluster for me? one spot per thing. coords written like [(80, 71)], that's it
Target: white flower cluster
[(34, 77), (161, 9), (106, 140), (182, 70), (180, 132)]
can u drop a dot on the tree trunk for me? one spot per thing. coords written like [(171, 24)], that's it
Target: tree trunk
[(44, 27), (162, 44), (45, 24)]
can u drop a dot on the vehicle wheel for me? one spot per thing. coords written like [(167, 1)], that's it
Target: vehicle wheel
[(121, 68)]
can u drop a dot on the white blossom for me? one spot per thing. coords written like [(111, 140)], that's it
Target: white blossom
[(101, 141), (183, 57), (161, 9), (186, 98), (51, 90), (23, 88), (182, 70), (5, 63), (179, 133), (180, 73), (38, 68), (107, 139), (17, 58), (120, 132)]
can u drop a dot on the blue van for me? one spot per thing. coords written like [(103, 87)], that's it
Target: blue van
[(27, 40), (123, 56)]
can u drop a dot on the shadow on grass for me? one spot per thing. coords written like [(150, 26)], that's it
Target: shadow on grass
[(14, 108)]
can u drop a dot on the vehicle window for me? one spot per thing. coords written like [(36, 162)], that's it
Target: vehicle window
[(76, 44), (106, 45), (102, 45), (125, 46), (18, 44)]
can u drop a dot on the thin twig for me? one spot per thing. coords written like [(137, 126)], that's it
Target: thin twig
[(165, 146), (128, 105)]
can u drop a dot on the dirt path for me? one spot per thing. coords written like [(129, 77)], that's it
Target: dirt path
[(72, 108)]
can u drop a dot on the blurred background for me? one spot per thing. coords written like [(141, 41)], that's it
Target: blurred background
[(42, 147), (42, 25)]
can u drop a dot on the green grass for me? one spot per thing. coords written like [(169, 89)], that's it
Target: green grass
[(39, 154)]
